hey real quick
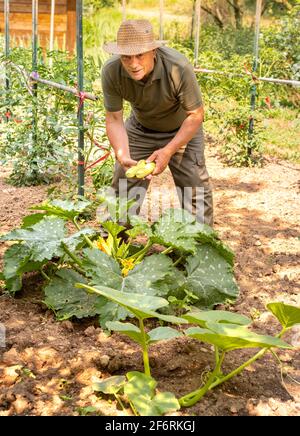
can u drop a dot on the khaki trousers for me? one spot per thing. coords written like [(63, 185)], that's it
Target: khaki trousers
[(187, 166)]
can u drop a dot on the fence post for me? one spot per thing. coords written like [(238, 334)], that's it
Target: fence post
[(254, 67), (34, 69), (6, 13), (123, 10), (197, 36), (51, 42), (161, 20), (79, 45)]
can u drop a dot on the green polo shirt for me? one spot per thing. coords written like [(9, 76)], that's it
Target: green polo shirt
[(161, 102)]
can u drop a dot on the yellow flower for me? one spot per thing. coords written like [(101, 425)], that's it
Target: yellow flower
[(128, 264)]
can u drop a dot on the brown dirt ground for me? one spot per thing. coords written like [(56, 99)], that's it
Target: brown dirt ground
[(47, 367)]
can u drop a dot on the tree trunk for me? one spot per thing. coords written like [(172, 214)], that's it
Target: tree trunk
[(216, 16), (238, 12), (193, 19)]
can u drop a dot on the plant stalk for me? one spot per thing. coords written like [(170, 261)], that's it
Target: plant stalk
[(86, 238), (192, 398), (72, 255), (145, 349)]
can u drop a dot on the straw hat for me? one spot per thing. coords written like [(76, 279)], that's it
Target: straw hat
[(134, 37)]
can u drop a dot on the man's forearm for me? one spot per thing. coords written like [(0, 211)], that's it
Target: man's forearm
[(118, 138), (186, 132)]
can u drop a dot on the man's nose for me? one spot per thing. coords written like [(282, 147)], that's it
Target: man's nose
[(134, 61)]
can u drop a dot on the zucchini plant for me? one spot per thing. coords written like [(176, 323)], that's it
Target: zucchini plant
[(139, 388), (192, 260)]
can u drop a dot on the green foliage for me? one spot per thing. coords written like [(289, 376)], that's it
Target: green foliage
[(209, 277), (17, 261), (140, 392), (66, 301), (46, 238), (227, 332), (287, 315), (204, 278), (228, 337), (41, 135), (241, 148)]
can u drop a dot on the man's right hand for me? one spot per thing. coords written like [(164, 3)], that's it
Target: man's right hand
[(127, 163)]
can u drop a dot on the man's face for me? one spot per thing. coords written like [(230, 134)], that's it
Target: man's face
[(139, 66)]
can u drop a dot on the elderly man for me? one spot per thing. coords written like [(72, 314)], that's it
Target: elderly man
[(165, 124)]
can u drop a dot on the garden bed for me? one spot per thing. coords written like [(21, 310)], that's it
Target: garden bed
[(47, 367)]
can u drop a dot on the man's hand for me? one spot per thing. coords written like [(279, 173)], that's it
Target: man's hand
[(161, 158), (127, 162)]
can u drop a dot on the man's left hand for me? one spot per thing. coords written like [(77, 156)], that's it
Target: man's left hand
[(161, 158)]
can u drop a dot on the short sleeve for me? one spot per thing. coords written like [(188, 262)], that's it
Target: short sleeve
[(113, 101), (189, 93)]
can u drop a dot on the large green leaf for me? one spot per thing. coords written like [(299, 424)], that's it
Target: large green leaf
[(111, 385), (287, 315), (31, 220), (212, 239), (142, 306), (149, 277), (140, 227), (113, 228), (16, 263), (229, 337), (176, 229), (210, 277), (140, 390), (65, 209), (162, 334), (66, 300), (45, 238), (202, 317), (101, 268), (128, 329)]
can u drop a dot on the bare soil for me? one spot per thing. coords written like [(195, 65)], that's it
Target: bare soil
[(47, 367)]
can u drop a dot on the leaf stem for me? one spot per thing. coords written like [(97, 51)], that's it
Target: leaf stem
[(140, 254), (244, 365), (167, 250), (45, 275), (178, 260), (145, 349), (86, 238), (192, 398), (72, 255)]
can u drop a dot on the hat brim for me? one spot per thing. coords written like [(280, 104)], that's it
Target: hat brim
[(129, 50)]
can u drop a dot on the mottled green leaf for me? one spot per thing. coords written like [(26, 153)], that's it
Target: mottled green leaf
[(172, 230), (67, 300), (140, 227), (16, 263), (45, 238), (150, 275), (210, 277)]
